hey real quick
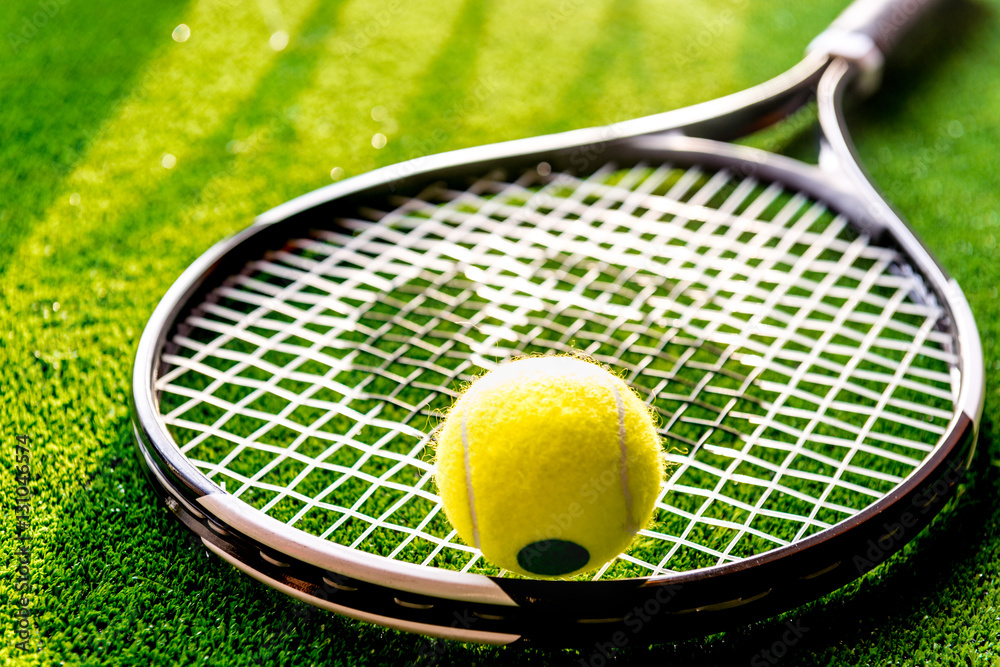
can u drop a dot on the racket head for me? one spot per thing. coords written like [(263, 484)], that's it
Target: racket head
[(738, 586)]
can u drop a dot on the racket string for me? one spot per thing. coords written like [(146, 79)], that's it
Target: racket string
[(791, 361)]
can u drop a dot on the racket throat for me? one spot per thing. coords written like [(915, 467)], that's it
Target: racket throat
[(858, 49)]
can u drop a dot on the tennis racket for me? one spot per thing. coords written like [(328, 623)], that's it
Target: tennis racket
[(818, 377)]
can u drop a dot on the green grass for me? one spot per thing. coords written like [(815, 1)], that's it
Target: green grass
[(94, 228)]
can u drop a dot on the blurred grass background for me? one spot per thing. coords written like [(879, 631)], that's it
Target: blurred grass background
[(129, 145)]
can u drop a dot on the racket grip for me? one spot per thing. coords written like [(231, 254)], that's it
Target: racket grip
[(884, 21)]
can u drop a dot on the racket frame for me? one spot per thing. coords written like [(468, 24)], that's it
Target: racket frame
[(479, 608)]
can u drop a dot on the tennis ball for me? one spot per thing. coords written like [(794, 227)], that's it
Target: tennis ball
[(549, 465)]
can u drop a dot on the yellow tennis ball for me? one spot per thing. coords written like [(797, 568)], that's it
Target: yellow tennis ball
[(549, 465)]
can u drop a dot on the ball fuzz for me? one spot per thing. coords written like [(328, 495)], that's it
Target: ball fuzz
[(549, 465)]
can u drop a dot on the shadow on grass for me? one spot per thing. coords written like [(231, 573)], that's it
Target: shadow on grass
[(47, 119), (603, 63), (262, 121), (448, 90)]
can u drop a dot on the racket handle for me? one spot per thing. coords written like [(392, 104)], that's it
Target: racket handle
[(884, 21)]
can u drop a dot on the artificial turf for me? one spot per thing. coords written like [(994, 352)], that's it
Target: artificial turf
[(125, 153)]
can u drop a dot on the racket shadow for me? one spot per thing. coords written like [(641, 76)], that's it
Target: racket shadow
[(916, 70)]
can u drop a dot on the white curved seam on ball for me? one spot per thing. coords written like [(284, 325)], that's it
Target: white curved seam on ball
[(630, 523), (468, 482)]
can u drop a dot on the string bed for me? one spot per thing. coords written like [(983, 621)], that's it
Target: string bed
[(800, 373)]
